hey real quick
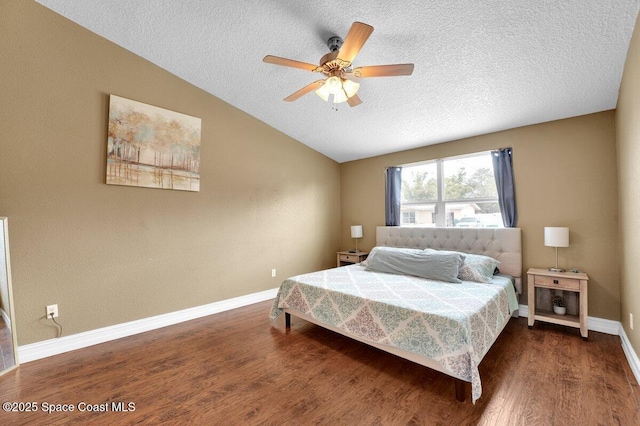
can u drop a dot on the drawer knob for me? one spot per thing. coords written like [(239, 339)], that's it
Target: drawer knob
[(555, 281)]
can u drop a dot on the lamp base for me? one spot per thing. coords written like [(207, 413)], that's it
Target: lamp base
[(556, 269), (354, 251)]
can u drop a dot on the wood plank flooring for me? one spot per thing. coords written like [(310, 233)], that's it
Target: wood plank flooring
[(236, 368)]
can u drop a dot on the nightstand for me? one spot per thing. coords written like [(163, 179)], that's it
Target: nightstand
[(346, 258), (565, 281)]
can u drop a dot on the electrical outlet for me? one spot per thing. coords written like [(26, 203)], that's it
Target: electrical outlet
[(273, 273), (630, 320), (52, 309)]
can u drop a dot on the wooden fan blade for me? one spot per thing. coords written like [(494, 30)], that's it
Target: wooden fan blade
[(354, 100), (383, 70), (289, 63), (306, 89), (355, 39)]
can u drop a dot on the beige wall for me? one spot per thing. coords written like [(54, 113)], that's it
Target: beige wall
[(565, 175), (111, 254), (628, 140)]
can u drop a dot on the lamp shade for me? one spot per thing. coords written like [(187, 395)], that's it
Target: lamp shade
[(350, 87), (323, 92), (556, 236), (333, 85), (356, 231)]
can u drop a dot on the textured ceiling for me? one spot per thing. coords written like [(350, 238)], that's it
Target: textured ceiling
[(480, 66)]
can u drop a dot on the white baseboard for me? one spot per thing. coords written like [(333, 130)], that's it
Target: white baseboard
[(600, 325), (46, 348), (631, 355)]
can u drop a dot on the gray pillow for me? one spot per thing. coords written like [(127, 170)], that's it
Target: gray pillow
[(431, 264), (389, 249), (478, 268)]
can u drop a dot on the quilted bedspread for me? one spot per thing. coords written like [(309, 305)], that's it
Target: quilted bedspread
[(454, 324)]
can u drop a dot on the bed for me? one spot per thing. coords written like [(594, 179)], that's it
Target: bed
[(446, 326)]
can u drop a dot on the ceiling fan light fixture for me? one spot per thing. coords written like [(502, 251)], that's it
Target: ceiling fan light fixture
[(341, 89), (334, 85), (340, 97), (323, 92), (338, 63), (350, 87)]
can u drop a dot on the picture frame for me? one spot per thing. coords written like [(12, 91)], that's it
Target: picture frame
[(152, 147)]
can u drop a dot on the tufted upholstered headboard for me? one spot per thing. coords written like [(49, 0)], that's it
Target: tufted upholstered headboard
[(503, 244)]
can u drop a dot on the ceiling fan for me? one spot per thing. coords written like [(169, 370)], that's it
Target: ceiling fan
[(337, 67)]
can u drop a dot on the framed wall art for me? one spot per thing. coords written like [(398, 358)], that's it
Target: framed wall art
[(152, 147)]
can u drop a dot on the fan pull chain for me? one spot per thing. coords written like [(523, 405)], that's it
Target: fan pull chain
[(332, 99)]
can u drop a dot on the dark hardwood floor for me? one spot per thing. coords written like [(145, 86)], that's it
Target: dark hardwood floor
[(236, 368)]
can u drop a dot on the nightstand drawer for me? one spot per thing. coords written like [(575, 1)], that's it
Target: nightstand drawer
[(554, 282), (346, 258), (354, 258)]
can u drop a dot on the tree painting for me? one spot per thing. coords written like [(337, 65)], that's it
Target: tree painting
[(152, 147)]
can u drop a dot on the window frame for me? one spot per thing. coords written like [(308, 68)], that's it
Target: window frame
[(440, 209)]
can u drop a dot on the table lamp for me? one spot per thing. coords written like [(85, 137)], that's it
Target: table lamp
[(356, 232), (556, 237)]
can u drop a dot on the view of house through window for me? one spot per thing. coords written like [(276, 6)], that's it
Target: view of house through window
[(457, 191)]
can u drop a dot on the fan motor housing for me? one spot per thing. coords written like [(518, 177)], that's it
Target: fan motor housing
[(328, 57), (334, 44)]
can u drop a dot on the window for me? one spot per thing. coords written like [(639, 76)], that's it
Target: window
[(457, 191), (408, 217)]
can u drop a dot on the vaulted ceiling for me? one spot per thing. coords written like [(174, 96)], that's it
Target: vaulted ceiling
[(480, 66)]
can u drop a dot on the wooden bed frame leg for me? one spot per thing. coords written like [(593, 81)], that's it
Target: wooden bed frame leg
[(459, 390), (287, 320)]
